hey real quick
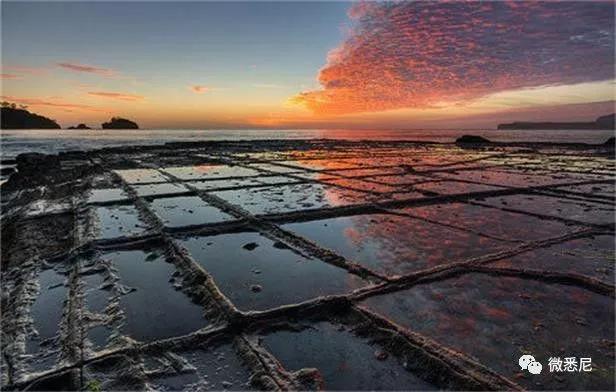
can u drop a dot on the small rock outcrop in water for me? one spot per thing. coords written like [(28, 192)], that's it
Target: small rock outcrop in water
[(472, 139), (251, 246), (120, 123), (603, 122), (607, 122), (80, 126), (14, 118)]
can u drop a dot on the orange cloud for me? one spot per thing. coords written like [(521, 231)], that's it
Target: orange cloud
[(18, 72), (10, 76), (87, 69), (425, 54), (117, 96), (199, 89)]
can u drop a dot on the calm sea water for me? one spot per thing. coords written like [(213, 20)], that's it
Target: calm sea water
[(15, 142)]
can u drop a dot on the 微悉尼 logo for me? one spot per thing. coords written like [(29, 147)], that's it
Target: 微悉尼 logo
[(527, 362)]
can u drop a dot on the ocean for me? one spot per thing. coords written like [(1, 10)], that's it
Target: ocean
[(15, 142)]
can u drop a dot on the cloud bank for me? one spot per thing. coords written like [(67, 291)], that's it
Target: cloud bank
[(423, 54), (116, 96), (86, 68), (48, 102)]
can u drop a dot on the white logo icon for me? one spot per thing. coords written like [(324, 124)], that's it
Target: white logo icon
[(534, 367), (527, 362)]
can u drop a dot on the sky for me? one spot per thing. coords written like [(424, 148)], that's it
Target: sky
[(368, 65)]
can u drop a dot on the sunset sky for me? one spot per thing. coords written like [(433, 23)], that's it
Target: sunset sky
[(309, 65)]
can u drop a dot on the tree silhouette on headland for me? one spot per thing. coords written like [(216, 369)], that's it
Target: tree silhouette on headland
[(13, 117)]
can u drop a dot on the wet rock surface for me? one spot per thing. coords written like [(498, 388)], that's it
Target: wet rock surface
[(299, 265)]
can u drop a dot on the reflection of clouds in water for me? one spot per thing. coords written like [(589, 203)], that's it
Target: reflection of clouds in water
[(493, 318), (393, 244), (204, 168)]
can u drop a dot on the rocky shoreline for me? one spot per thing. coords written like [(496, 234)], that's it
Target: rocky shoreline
[(96, 235)]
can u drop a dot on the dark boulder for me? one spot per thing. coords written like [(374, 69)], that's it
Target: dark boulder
[(80, 126), (606, 122), (7, 171), (120, 123), (472, 139), (34, 162)]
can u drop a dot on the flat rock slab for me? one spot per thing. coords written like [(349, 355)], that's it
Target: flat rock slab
[(240, 265)]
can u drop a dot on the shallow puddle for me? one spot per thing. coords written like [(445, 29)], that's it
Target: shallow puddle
[(419, 159), (99, 336), (96, 298), (287, 198), (257, 274), (496, 320), (153, 308), (592, 257), (107, 195), (187, 211), (274, 180), (403, 179), (345, 361), (454, 187), (607, 190), (46, 313), (227, 183), (365, 172), (329, 164), (504, 178), (273, 168), (491, 221), (361, 185), (159, 189), (392, 244), (583, 211), (113, 222), (210, 171), (137, 176)]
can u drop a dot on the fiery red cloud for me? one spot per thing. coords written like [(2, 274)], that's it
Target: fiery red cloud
[(199, 89), (86, 68), (118, 96), (418, 54)]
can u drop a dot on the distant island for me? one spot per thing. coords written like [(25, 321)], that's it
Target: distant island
[(603, 122), (18, 117), (120, 123), (13, 117)]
